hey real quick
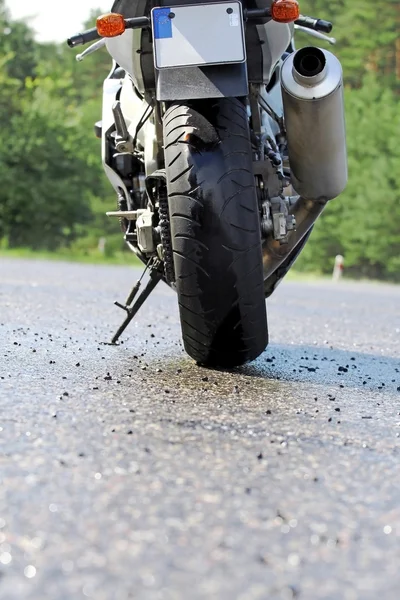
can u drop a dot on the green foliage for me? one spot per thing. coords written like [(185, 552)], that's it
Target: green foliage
[(53, 192), (17, 43), (50, 167), (364, 223), (366, 32), (43, 192)]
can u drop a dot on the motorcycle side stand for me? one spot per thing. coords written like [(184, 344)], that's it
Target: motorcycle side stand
[(155, 276)]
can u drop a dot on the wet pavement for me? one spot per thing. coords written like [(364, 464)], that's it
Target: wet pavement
[(129, 472)]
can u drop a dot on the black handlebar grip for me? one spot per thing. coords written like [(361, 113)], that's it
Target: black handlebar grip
[(83, 38), (316, 24), (324, 26), (137, 22)]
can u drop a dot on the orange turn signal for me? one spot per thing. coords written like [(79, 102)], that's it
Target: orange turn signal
[(110, 25), (285, 11)]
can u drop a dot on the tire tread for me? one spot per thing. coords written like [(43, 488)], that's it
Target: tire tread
[(215, 232)]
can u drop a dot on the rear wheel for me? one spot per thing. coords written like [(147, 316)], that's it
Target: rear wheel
[(215, 232)]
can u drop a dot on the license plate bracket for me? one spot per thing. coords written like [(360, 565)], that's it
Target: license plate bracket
[(198, 35)]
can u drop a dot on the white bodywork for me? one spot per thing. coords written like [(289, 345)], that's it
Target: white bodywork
[(111, 89), (125, 50)]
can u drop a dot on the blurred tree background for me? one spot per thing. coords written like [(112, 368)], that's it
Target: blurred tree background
[(53, 191), (54, 195), (363, 224)]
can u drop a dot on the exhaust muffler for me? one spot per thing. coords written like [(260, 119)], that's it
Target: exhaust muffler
[(312, 91)]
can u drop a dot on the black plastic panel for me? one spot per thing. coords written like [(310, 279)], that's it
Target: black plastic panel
[(196, 83)]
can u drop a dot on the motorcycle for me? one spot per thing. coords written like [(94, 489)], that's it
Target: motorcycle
[(223, 144)]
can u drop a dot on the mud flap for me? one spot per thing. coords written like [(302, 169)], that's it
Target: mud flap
[(198, 83)]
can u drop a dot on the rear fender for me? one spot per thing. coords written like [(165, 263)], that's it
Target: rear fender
[(198, 83)]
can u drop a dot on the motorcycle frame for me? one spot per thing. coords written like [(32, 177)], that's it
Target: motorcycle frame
[(138, 90)]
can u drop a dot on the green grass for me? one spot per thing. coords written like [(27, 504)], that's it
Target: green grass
[(128, 258), (118, 258), (294, 275), (90, 257)]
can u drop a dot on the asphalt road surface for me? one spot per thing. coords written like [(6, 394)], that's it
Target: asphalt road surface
[(129, 472)]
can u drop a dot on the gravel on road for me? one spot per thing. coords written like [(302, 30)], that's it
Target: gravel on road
[(128, 472)]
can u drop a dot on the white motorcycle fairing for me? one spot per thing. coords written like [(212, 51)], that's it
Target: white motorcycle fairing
[(128, 53)]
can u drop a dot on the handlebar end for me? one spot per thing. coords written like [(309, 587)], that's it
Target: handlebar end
[(75, 40), (83, 38), (324, 26)]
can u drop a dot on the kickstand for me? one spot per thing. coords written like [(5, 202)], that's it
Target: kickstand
[(155, 277)]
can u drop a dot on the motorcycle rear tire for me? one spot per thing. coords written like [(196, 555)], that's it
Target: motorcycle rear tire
[(215, 231)]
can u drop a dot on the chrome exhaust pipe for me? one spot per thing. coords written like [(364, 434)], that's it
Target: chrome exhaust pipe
[(312, 92)]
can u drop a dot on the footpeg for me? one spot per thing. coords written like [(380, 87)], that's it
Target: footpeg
[(129, 215)]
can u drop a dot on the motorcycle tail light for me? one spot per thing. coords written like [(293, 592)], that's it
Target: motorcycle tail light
[(110, 25), (285, 11)]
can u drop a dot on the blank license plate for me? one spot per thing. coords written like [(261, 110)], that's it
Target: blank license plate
[(199, 34)]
